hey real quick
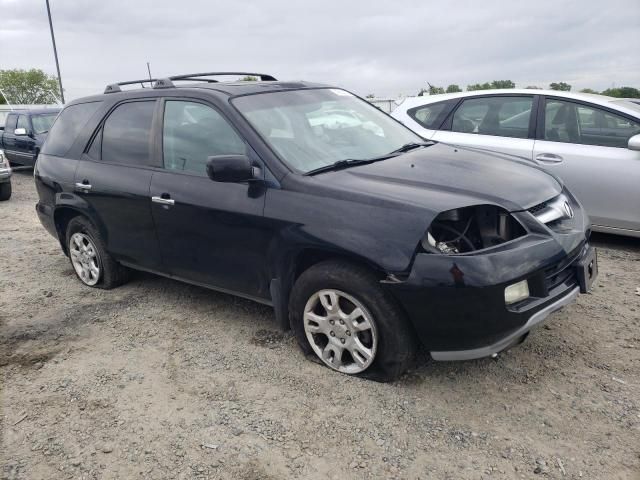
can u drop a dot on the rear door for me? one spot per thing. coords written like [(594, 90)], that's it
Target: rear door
[(114, 178), (210, 232), (586, 146), (500, 123)]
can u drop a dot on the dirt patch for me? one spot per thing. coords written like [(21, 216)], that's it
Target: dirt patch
[(158, 380)]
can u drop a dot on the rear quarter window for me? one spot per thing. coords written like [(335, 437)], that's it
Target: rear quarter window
[(430, 116), (67, 126)]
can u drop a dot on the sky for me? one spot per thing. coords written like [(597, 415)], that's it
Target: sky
[(388, 48)]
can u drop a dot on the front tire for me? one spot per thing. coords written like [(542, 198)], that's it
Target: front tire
[(5, 191), (89, 258), (342, 317)]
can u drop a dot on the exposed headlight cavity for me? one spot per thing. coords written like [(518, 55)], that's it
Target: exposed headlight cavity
[(471, 228)]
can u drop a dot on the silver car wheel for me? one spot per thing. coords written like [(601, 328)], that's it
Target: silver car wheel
[(340, 330), (84, 258)]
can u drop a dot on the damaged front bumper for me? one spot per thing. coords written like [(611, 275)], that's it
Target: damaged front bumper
[(457, 305)]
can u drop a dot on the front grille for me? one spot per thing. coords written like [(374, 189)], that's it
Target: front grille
[(537, 208)]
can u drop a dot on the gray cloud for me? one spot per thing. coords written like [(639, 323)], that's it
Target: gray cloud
[(381, 47)]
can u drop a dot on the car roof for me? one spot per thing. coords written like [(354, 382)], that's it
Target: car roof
[(603, 100), (230, 89)]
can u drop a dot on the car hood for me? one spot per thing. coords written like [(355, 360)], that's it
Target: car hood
[(443, 177)]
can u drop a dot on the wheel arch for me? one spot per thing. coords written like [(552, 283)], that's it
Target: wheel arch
[(63, 214), (296, 262)]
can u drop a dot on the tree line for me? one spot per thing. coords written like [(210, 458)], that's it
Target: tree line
[(34, 87), (620, 92)]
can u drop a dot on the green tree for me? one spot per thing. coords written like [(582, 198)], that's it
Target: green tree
[(588, 90), (453, 88), (432, 90), (622, 92), (563, 87), (503, 84), (249, 78), (371, 95), (29, 87), (479, 86)]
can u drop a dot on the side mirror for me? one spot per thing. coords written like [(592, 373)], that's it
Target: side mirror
[(634, 142), (20, 132), (231, 169)]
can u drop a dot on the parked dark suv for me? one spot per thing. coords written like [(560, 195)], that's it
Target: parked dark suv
[(363, 237), (25, 132)]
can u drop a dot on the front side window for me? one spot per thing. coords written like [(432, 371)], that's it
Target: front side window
[(310, 129), (23, 122), (575, 123), (43, 123), (500, 115), (10, 126), (192, 132), (126, 134), (429, 116), (67, 127)]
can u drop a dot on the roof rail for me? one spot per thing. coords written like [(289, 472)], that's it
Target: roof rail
[(198, 77), (115, 87), (193, 77)]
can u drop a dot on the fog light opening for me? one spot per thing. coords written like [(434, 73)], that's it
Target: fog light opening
[(516, 292)]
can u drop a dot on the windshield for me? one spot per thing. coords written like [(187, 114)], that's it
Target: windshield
[(42, 123), (310, 129)]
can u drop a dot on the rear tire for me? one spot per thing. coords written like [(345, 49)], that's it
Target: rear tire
[(5, 191), (343, 318), (89, 258)]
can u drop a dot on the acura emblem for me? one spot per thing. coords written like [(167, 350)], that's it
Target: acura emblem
[(568, 210)]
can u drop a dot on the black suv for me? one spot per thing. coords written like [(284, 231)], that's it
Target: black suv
[(364, 238)]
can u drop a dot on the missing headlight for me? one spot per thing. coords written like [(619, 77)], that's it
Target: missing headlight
[(471, 228)]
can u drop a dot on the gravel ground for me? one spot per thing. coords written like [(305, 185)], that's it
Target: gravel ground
[(159, 379)]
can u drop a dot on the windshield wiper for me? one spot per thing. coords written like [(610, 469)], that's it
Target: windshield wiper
[(349, 162), (410, 146)]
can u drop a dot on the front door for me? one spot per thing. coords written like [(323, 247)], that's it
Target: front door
[(209, 232), (114, 177), (499, 123), (586, 146)]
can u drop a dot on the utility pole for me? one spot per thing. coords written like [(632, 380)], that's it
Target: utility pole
[(55, 52), (149, 70)]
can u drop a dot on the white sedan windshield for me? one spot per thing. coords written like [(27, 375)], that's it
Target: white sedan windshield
[(310, 129)]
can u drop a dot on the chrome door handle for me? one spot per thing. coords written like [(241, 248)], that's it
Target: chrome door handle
[(163, 201), (549, 158), (83, 186)]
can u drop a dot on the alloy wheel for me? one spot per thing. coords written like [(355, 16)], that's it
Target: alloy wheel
[(84, 258), (340, 331)]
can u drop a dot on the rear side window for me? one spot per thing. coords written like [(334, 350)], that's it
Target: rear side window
[(67, 127), (429, 116), (500, 115), (126, 134)]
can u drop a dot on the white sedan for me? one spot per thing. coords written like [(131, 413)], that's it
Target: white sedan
[(590, 141)]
